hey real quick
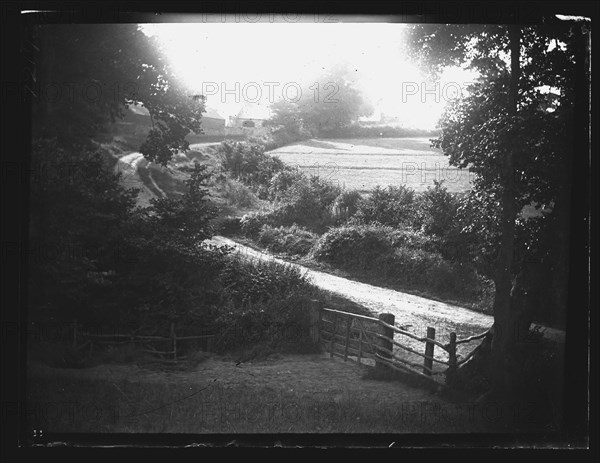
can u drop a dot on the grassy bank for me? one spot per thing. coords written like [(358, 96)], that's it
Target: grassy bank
[(296, 394)]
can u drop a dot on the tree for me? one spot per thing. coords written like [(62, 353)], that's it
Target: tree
[(323, 109), (112, 256), (84, 75), (516, 138)]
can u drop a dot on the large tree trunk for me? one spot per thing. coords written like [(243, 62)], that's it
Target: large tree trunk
[(506, 314)]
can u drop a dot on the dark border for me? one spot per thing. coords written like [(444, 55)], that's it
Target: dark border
[(15, 143)]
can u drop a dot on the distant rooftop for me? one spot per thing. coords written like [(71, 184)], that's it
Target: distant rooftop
[(143, 111), (212, 113), (254, 111)]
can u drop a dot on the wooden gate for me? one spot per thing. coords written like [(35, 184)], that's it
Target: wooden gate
[(379, 342)]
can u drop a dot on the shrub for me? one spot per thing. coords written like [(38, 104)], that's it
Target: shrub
[(292, 240), (265, 303), (238, 194), (252, 223), (346, 204), (438, 209), (283, 181), (408, 238), (354, 246), (248, 163), (394, 206), (403, 258), (229, 226), (307, 203)]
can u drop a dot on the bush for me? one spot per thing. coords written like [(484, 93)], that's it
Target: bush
[(248, 163), (438, 209), (307, 203), (229, 226), (402, 258), (394, 206), (354, 247), (292, 240), (266, 303), (346, 205), (251, 224), (283, 181), (238, 194)]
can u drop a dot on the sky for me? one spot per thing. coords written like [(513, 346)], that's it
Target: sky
[(258, 63)]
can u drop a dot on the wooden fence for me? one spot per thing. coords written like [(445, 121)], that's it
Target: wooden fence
[(83, 339), (374, 342)]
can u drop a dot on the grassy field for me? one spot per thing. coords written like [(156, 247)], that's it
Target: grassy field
[(363, 163), (281, 393)]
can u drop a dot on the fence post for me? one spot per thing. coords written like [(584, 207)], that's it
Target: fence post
[(359, 346), (428, 362), (335, 319), (174, 341), (385, 344), (315, 321), (451, 359), (348, 325)]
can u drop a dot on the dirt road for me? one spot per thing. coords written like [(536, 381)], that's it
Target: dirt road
[(127, 166), (413, 313)]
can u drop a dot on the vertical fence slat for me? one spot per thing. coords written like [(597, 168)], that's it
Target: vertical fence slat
[(385, 344), (348, 324), (451, 358), (360, 345), (315, 322), (333, 336), (427, 362), (320, 321)]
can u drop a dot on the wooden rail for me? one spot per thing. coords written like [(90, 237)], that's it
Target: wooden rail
[(118, 339), (361, 339)]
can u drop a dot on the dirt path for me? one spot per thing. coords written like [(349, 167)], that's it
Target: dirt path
[(127, 166), (198, 146), (413, 313)]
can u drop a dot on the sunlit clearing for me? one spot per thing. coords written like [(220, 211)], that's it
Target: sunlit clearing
[(234, 64)]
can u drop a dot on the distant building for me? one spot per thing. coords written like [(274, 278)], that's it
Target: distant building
[(137, 119), (251, 119), (212, 122)]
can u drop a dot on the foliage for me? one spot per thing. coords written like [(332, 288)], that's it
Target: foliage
[(99, 69), (438, 208), (361, 130), (248, 163), (404, 259), (266, 303), (77, 212), (394, 206), (252, 223), (238, 194), (514, 129), (283, 181), (354, 246), (319, 113), (230, 226), (307, 203), (292, 240), (346, 204)]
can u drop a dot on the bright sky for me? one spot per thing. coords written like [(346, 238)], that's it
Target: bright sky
[(234, 63)]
